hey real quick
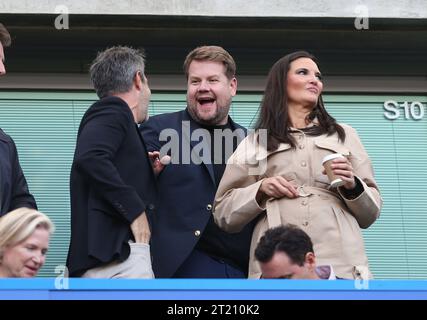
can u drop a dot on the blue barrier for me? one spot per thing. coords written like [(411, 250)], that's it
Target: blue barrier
[(209, 289)]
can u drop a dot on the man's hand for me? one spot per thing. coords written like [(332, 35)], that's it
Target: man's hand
[(141, 229), (158, 164)]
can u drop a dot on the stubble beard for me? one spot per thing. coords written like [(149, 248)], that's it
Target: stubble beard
[(221, 113)]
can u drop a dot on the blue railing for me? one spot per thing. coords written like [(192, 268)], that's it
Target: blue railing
[(209, 289)]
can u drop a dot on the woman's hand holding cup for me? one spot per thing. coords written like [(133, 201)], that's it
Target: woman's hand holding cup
[(339, 171)]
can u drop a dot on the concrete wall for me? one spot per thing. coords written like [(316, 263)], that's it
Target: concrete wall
[(238, 8)]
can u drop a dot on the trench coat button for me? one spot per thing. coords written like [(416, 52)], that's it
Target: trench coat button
[(209, 207), (197, 233), (151, 206), (301, 146), (303, 164), (304, 202), (305, 223)]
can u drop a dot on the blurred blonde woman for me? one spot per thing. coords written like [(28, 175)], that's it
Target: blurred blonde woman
[(24, 241)]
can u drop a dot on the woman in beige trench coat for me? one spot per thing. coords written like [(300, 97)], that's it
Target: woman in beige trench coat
[(276, 174)]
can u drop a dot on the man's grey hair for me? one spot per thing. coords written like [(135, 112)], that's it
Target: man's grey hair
[(114, 70), (4, 36)]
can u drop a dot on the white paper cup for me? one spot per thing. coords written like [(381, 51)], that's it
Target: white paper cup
[(327, 161)]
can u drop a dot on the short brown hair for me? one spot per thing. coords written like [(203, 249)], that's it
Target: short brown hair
[(4, 36), (212, 53), (288, 239)]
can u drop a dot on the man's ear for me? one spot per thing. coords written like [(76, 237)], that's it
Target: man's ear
[(310, 259), (233, 86), (137, 80)]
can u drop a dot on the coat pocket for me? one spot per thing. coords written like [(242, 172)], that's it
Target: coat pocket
[(325, 147), (351, 237), (332, 147), (323, 180)]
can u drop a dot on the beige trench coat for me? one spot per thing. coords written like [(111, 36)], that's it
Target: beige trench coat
[(332, 221)]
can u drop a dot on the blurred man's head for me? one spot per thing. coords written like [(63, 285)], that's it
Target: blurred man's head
[(286, 252), (4, 42)]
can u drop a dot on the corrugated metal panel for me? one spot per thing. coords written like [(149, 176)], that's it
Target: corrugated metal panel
[(397, 242), (45, 135), (44, 126)]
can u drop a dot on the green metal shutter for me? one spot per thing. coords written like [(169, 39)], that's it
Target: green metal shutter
[(390, 240), (44, 127)]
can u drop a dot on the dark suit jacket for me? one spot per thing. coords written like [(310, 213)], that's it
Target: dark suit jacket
[(186, 194), (13, 186), (111, 184)]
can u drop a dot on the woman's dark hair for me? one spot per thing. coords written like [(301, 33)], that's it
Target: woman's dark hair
[(274, 107)]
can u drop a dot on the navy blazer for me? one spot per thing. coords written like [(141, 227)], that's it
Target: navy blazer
[(111, 183), (13, 186), (186, 195)]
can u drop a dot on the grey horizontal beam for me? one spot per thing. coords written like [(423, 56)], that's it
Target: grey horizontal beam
[(368, 84)]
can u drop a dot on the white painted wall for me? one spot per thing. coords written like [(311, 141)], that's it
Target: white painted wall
[(227, 8)]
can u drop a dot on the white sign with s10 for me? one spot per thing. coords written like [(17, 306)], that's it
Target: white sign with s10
[(409, 110)]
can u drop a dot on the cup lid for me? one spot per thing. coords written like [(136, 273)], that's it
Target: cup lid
[(332, 156)]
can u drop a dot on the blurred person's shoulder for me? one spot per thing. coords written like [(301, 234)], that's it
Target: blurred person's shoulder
[(4, 137), (181, 114), (166, 120)]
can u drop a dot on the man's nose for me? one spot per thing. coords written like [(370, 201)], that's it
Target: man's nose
[(204, 86)]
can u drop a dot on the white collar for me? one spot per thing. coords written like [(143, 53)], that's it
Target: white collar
[(325, 272)]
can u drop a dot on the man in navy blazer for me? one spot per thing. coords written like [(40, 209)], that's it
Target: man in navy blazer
[(112, 183), (186, 243), (13, 186)]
